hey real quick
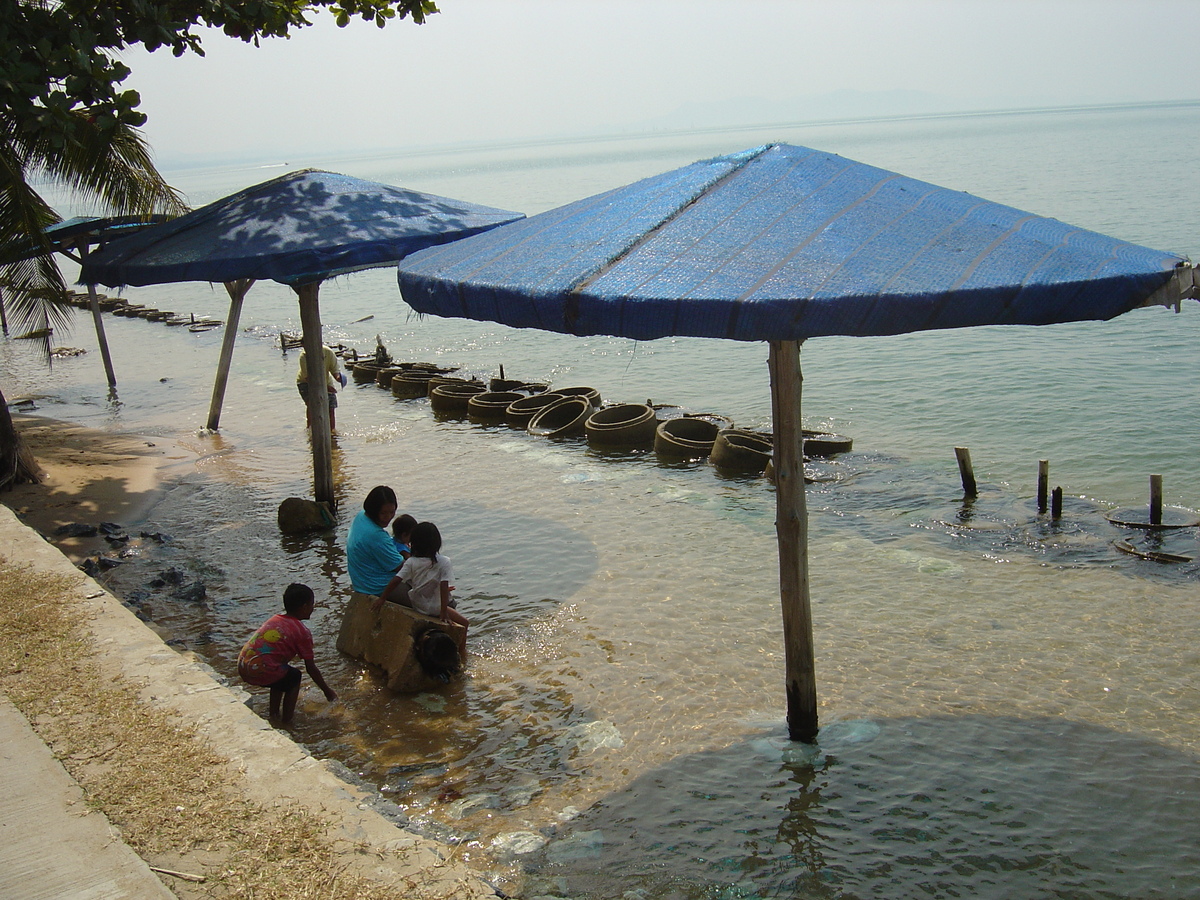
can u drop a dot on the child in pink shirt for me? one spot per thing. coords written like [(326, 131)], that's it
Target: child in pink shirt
[(265, 658)]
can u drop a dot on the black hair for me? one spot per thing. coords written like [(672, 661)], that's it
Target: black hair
[(296, 597), (402, 523), (436, 652), (376, 499), (426, 540)]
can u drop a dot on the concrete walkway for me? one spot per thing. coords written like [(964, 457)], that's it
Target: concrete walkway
[(51, 844)]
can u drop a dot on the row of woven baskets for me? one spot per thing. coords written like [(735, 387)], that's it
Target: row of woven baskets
[(577, 412), (119, 307)]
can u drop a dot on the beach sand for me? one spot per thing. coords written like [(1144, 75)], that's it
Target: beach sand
[(263, 816), (90, 477)]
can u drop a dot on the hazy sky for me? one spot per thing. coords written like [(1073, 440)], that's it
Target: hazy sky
[(498, 70)]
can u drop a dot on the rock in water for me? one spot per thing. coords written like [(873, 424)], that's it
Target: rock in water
[(297, 515)]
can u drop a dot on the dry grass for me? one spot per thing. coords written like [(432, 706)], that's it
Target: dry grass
[(176, 801)]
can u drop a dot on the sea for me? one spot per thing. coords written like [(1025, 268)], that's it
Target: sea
[(1008, 701)]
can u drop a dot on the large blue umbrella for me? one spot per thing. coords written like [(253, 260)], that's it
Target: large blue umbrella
[(298, 229), (784, 243)]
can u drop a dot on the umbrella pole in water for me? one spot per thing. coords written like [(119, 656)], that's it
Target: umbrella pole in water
[(318, 401), (791, 529), (237, 293), (101, 337)]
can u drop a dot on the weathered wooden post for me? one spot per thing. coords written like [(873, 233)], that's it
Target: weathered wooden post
[(1043, 483), (791, 528), (1056, 500), (237, 293), (1155, 499), (3, 314), (101, 337), (318, 399), (965, 472), (97, 318)]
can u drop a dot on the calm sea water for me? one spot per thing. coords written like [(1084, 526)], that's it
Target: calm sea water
[(1008, 704)]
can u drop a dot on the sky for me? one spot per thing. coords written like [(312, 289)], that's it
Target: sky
[(487, 71)]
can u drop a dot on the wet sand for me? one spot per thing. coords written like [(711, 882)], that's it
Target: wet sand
[(91, 476)]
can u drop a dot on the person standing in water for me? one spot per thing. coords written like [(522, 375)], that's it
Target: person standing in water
[(333, 377)]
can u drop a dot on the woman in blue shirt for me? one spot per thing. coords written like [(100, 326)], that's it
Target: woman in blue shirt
[(371, 555)]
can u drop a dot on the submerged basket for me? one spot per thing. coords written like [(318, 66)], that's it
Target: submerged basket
[(624, 425), (490, 406), (412, 383), (741, 451), (588, 393), (453, 397), (563, 418), (687, 437), (519, 412)]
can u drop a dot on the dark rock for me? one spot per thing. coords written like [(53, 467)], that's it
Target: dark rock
[(90, 567), (112, 528), (297, 515), (194, 592), (156, 536), (77, 529), (107, 562), (170, 576), (177, 643)]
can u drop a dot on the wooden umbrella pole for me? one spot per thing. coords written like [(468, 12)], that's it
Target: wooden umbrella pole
[(791, 528), (318, 400), (237, 293), (97, 320), (101, 337)]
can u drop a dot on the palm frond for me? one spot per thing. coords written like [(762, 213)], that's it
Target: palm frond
[(113, 165), (35, 295)]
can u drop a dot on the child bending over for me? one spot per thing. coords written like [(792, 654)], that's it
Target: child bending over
[(265, 657)]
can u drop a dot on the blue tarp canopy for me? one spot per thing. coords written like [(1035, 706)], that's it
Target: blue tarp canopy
[(296, 229), (65, 235), (782, 243)]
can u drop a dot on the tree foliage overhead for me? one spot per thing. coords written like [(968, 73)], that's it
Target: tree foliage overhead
[(65, 118), (58, 56)]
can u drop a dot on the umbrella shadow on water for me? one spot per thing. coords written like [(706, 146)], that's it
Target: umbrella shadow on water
[(940, 806)]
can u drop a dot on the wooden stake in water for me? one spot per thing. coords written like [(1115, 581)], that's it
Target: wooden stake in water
[(1043, 483), (1155, 499), (965, 471), (1056, 504)]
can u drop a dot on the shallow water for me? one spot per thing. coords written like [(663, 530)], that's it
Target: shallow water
[(1000, 694)]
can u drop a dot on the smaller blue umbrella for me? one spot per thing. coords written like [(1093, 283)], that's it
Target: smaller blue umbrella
[(780, 244), (298, 229)]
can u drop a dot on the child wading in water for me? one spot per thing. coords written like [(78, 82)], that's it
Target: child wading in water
[(428, 574), (265, 657)]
